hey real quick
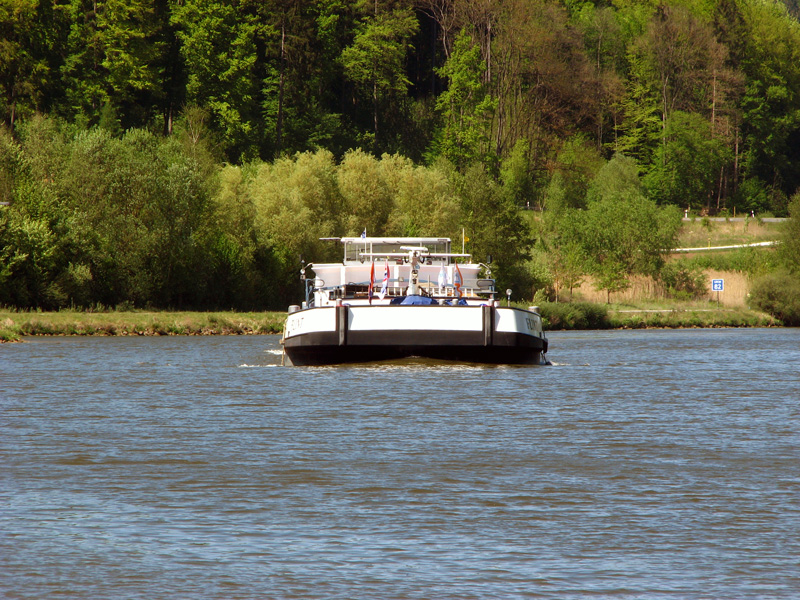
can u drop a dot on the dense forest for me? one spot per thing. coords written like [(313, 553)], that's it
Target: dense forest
[(190, 153)]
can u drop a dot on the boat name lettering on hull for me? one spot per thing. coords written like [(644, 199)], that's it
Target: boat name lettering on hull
[(293, 324)]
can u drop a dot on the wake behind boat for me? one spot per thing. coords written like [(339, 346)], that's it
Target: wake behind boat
[(423, 303)]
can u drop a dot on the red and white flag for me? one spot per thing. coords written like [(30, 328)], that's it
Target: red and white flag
[(457, 280), (385, 285), (371, 281)]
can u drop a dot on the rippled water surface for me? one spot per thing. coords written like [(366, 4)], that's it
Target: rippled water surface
[(655, 464)]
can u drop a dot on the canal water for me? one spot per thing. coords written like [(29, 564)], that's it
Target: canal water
[(642, 464)]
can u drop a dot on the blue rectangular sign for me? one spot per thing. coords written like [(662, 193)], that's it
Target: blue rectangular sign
[(717, 285)]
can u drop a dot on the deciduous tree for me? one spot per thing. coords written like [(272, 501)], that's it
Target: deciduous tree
[(218, 45), (771, 102), (23, 65), (687, 166), (466, 107), (375, 61), (621, 231)]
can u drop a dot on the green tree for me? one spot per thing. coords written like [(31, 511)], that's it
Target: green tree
[(639, 131), (218, 46), (683, 56), (771, 102), (466, 107), (515, 173), (537, 69), (38, 165), (131, 51), (287, 196), (560, 237), (283, 18), (291, 193), (119, 63), (789, 248), (494, 226), (621, 231), (234, 249), (300, 75), (82, 73), (27, 262), (367, 200), (576, 165), (376, 59), (10, 163), (424, 203), (176, 215), (563, 252), (676, 65), (126, 229), (111, 198), (688, 164), (23, 62), (605, 48), (778, 292)]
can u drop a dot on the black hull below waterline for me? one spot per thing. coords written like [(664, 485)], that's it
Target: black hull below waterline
[(333, 355)]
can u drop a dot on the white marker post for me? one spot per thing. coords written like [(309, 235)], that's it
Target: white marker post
[(717, 285)]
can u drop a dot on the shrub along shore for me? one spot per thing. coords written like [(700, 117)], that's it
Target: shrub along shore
[(14, 325)]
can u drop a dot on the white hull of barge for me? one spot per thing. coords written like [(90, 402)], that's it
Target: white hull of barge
[(362, 333)]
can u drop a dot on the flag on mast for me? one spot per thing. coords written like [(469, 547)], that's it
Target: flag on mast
[(385, 285), (371, 281)]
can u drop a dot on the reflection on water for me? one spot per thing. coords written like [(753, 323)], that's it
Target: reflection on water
[(640, 465)]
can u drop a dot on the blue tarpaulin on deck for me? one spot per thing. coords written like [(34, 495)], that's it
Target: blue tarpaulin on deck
[(418, 301)]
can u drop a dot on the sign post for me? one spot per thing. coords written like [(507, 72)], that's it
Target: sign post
[(717, 285)]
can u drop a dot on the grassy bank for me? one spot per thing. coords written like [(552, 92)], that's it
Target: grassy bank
[(557, 316), (585, 315), (700, 232), (14, 325)]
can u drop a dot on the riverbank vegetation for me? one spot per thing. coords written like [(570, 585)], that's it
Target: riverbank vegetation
[(587, 315), (190, 155), (16, 324)]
